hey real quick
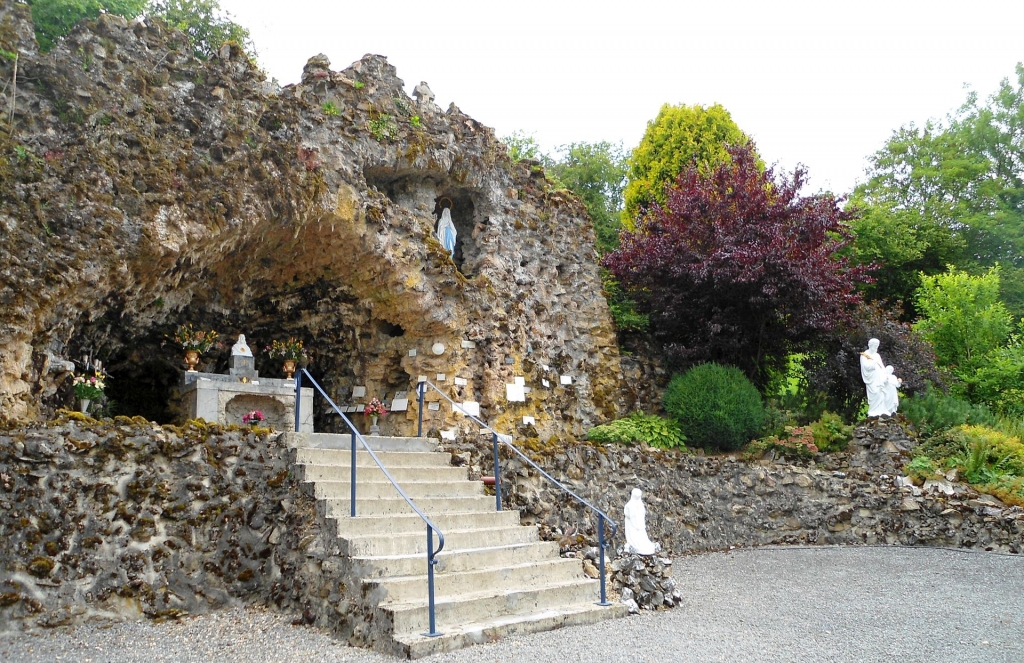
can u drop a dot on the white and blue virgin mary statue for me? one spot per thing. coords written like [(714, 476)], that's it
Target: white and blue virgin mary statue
[(446, 232)]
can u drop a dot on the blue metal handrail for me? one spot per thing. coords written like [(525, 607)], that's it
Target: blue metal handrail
[(356, 435), (497, 437)]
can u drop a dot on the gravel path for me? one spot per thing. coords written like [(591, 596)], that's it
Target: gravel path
[(774, 604)]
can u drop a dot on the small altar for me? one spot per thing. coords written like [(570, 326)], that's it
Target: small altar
[(225, 399)]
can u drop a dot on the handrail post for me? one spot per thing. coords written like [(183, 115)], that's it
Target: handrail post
[(497, 475), (600, 545), (353, 481), (430, 582), (420, 388), (298, 398)]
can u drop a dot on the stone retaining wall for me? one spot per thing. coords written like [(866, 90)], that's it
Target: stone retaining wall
[(120, 519), (697, 503)]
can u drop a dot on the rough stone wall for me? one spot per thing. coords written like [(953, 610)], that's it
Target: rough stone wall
[(119, 519), (142, 188), (697, 503)]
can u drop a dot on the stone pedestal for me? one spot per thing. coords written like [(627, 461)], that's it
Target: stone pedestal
[(225, 399)]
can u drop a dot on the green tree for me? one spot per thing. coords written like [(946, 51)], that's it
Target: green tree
[(678, 137), (963, 317), (596, 172), (949, 192), (206, 24), (52, 19)]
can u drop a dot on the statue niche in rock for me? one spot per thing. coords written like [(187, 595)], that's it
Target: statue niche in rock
[(636, 527), (880, 382)]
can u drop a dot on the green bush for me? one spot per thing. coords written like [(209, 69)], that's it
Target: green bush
[(716, 406), (989, 459), (934, 412), (830, 433), (639, 427)]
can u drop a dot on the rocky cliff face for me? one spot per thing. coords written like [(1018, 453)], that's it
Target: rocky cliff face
[(141, 188)]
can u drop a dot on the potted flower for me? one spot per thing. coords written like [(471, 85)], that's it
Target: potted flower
[(88, 389), (291, 351), (194, 342), (373, 410), (253, 418)]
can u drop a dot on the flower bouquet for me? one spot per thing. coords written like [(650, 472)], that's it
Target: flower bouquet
[(375, 409), (88, 388), (291, 349), (190, 338), (253, 418)]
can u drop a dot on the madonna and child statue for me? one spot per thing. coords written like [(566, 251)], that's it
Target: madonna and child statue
[(880, 382)]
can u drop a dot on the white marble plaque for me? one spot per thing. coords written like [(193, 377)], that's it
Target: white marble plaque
[(400, 405), (565, 379), (544, 367), (527, 390), (460, 382), (505, 438), (469, 345), (440, 377), (358, 391), (434, 406), (412, 353), (514, 392), (520, 380), (421, 378), (448, 435), (467, 408), (529, 421), (545, 383)]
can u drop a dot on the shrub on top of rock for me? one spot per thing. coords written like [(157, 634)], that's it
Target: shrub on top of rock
[(716, 406)]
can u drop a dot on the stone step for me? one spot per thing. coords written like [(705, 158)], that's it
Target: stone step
[(339, 506), (417, 645), (390, 459), (452, 561), (473, 607), (379, 487), (439, 474), (413, 524), (409, 589), (344, 441), (416, 543)]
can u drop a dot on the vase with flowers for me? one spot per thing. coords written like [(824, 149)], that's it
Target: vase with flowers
[(291, 352), (87, 389), (194, 342), (373, 410), (253, 418)]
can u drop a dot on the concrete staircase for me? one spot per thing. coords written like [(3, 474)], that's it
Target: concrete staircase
[(494, 576)]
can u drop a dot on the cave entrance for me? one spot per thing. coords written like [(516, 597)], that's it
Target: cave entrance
[(463, 212)]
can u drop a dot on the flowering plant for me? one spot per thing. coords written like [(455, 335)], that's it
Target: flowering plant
[(88, 387), (253, 418), (191, 339), (375, 407), (290, 349)]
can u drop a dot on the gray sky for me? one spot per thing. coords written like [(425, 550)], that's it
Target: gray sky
[(822, 83)]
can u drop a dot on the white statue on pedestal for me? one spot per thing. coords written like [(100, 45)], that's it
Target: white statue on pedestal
[(636, 526), (880, 382)]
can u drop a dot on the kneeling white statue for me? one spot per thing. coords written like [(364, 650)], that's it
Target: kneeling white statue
[(880, 382), (636, 527)]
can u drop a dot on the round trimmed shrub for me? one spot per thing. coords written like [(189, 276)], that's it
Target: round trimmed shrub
[(716, 406)]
